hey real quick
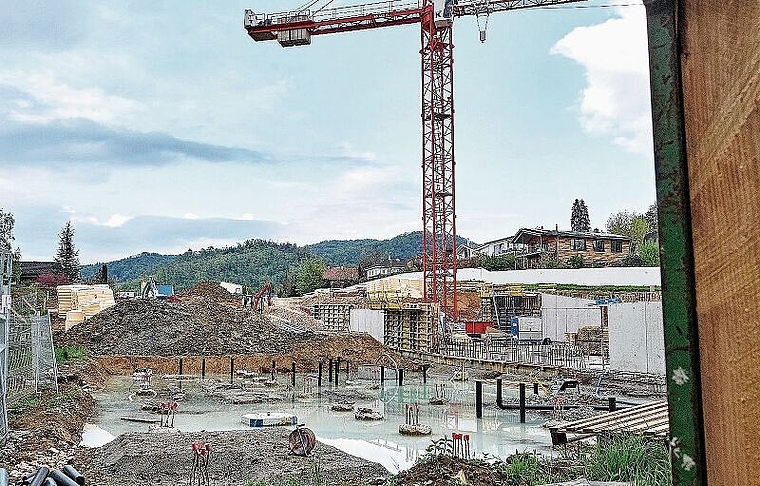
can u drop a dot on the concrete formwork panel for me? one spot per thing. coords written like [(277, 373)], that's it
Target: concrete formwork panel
[(561, 315), (636, 337), (368, 321)]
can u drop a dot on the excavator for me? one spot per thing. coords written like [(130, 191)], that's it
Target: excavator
[(263, 297)]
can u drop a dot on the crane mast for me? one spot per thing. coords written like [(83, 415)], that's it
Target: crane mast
[(436, 17)]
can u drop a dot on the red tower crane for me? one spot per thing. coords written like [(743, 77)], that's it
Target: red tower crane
[(436, 17)]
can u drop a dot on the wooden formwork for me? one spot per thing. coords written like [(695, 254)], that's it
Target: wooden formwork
[(411, 326)]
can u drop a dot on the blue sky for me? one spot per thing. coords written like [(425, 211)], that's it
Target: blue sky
[(160, 126)]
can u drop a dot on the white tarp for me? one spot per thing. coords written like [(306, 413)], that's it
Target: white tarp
[(637, 340)]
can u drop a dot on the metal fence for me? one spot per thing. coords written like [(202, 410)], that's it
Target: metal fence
[(6, 274), (507, 351), (31, 356)]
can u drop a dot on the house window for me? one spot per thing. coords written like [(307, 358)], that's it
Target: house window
[(578, 244), (545, 245), (599, 246), (616, 246)]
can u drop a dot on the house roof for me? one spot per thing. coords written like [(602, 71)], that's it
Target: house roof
[(32, 270), (341, 273), (525, 234), (499, 240)]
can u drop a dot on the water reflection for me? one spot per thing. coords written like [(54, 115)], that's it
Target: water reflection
[(498, 433)]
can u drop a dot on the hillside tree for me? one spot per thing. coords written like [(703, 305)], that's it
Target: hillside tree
[(651, 216), (68, 255), (579, 218), (310, 276)]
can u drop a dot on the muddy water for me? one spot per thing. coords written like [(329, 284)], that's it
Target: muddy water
[(498, 433)]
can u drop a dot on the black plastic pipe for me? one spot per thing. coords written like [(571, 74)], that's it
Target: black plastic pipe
[(535, 388), (498, 392), (71, 472), (337, 370), (348, 370), (180, 366), (522, 403), (478, 399), (319, 377), (61, 479), (232, 368), (203, 369), (382, 375), (39, 477), (293, 370), (400, 377), (329, 371)]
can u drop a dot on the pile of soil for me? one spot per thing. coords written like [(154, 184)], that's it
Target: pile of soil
[(210, 291), (141, 327), (443, 470), (45, 430), (237, 458)]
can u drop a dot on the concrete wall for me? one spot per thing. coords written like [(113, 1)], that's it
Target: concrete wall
[(561, 315), (636, 337), (369, 321)]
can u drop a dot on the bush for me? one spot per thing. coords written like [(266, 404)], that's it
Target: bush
[(576, 261), (650, 254), (633, 260), (70, 354)]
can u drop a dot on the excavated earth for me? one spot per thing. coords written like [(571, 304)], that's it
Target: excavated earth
[(237, 458)]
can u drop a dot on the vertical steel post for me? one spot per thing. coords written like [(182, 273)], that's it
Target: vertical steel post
[(180, 366), (522, 403), (319, 377), (203, 369), (676, 251), (478, 399), (337, 371), (293, 372), (400, 377), (232, 368), (498, 391)]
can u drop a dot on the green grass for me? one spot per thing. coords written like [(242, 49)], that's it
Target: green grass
[(629, 457), (70, 354)]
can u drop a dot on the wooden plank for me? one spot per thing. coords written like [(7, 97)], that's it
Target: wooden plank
[(721, 81)]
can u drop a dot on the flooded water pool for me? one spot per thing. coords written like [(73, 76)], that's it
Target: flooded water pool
[(498, 433)]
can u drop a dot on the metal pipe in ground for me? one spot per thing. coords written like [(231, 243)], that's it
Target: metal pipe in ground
[(348, 370), (400, 377), (329, 371), (293, 373), (319, 376), (522, 403), (498, 392), (478, 399), (232, 369), (337, 371), (71, 472), (180, 366), (382, 375), (203, 369)]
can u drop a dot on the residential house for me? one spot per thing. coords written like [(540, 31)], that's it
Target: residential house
[(340, 277), (30, 271), (502, 246), (596, 248), (386, 268)]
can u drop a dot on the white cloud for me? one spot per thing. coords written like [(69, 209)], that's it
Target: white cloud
[(616, 100), (54, 100), (349, 151), (117, 220)]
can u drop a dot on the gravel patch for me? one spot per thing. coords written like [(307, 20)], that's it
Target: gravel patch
[(237, 457)]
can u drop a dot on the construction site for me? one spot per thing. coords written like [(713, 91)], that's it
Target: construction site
[(443, 376)]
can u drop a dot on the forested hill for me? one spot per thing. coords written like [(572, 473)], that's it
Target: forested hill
[(130, 268), (352, 252), (253, 262)]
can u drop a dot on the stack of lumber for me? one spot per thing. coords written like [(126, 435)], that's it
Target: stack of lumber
[(393, 287), (80, 302)]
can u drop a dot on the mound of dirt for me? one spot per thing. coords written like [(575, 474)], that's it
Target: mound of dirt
[(141, 327), (208, 290)]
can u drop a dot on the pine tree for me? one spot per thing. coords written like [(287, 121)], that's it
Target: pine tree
[(68, 256), (575, 216), (584, 222)]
